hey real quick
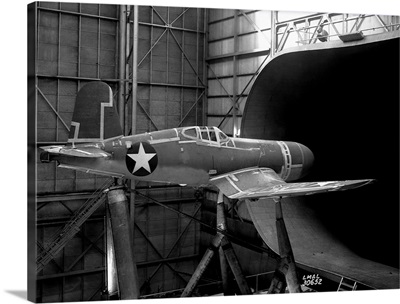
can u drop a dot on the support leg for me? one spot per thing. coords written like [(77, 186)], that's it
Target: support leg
[(112, 275), (278, 283), (226, 274), (227, 254), (124, 257), (235, 267), (227, 281), (228, 257), (285, 251), (194, 280)]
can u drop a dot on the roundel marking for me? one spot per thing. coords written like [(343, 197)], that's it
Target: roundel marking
[(141, 159)]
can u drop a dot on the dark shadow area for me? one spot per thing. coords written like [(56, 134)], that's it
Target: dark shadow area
[(343, 103)]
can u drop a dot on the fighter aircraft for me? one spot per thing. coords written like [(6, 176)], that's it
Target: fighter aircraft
[(194, 156)]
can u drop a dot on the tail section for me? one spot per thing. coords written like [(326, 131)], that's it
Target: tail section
[(95, 117)]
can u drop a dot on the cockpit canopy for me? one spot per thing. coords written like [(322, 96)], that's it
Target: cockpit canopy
[(209, 135)]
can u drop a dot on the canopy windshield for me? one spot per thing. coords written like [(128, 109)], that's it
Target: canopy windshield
[(210, 135)]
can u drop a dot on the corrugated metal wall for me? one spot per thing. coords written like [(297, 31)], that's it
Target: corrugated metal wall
[(166, 243), (236, 49), (77, 272), (78, 43), (171, 81)]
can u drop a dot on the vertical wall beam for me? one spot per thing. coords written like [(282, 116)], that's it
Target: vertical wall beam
[(235, 72), (98, 41), (134, 63), (273, 34), (197, 60), (121, 64), (126, 126), (124, 257), (205, 54), (151, 70), (31, 131)]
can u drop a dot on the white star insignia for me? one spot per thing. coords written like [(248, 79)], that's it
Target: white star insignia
[(142, 159)]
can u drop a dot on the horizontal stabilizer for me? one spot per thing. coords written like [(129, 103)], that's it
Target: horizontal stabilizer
[(256, 183)]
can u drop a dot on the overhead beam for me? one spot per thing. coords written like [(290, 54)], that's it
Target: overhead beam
[(76, 13)]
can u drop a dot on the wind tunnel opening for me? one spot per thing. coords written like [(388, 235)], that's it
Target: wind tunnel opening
[(342, 102)]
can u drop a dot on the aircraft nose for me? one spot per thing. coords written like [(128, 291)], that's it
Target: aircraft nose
[(298, 160), (308, 160)]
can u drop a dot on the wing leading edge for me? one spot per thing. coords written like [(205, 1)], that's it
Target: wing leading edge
[(253, 183)]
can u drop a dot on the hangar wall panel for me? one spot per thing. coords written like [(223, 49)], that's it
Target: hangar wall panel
[(163, 234), (78, 43), (76, 273), (234, 40), (170, 68)]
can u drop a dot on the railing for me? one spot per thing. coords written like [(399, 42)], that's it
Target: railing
[(303, 30)]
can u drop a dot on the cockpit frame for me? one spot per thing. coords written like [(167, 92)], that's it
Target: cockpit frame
[(208, 135)]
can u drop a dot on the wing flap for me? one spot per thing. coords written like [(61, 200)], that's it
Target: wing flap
[(256, 183)]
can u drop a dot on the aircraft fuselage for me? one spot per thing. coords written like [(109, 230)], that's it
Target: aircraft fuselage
[(190, 156)]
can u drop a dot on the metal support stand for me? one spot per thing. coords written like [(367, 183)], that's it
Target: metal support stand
[(235, 267), (194, 280), (228, 257), (227, 280), (226, 253), (278, 283), (287, 265), (124, 257)]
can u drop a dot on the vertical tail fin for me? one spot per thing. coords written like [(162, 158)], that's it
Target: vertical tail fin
[(95, 117)]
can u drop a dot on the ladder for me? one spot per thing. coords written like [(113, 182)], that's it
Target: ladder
[(347, 285), (60, 239)]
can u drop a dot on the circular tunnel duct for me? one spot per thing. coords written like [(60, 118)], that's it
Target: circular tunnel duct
[(342, 101)]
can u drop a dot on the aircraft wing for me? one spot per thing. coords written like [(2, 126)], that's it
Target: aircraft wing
[(77, 158), (86, 152), (253, 183)]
